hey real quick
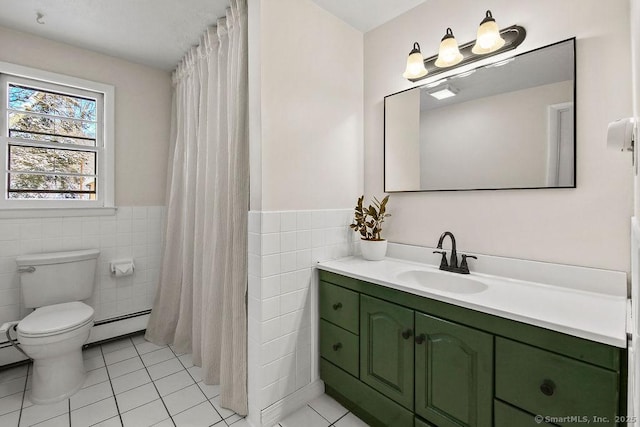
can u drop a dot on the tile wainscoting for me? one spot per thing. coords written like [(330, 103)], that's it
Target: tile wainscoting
[(134, 232), (283, 247)]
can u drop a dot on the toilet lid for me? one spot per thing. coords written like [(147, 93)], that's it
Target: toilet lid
[(54, 319)]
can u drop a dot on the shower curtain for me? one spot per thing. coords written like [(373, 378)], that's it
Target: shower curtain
[(200, 302)]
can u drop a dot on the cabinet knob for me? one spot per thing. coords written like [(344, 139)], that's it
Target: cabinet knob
[(337, 346), (547, 387), (420, 338), (337, 306), (407, 334)]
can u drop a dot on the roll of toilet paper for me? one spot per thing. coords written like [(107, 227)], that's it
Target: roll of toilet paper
[(122, 268)]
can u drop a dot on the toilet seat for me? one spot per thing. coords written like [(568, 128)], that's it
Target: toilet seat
[(55, 319)]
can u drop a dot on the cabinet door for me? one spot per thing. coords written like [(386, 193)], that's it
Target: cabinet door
[(386, 349), (454, 373)]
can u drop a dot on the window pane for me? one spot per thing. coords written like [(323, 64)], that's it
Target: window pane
[(52, 196), (43, 183), (34, 159), (39, 101), (51, 125), (52, 138)]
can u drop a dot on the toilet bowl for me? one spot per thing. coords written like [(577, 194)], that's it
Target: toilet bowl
[(55, 284), (53, 337)]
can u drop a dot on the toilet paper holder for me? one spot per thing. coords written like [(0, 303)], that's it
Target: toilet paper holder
[(122, 267)]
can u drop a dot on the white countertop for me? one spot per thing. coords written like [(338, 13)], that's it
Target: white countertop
[(591, 315)]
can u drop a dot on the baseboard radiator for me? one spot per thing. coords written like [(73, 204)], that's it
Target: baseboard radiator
[(103, 330)]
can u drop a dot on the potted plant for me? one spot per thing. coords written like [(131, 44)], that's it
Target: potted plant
[(368, 222)]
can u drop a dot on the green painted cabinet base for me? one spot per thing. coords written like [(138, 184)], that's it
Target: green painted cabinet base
[(365, 402)]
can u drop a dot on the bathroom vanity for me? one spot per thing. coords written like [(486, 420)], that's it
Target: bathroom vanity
[(403, 344)]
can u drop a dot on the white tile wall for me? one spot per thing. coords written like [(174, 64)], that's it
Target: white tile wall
[(283, 246), (133, 232)]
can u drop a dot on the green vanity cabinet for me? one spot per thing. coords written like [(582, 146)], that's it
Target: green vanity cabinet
[(402, 360), (453, 373), (386, 349)]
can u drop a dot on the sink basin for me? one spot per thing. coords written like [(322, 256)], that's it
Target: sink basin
[(454, 283)]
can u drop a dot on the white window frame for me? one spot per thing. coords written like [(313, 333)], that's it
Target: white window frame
[(104, 203)]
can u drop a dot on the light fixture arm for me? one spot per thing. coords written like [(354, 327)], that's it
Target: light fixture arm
[(513, 36)]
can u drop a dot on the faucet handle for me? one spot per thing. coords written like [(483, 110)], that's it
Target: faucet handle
[(443, 261), (463, 263)]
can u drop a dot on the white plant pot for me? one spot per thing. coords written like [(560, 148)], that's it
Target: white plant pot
[(373, 250)]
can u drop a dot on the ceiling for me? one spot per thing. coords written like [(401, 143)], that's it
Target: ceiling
[(157, 32)]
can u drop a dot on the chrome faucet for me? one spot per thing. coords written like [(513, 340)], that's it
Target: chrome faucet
[(452, 265)]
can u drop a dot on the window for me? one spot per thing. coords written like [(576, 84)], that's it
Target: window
[(55, 141)]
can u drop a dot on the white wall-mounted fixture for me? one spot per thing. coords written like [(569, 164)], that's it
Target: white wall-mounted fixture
[(488, 39), (415, 64), (491, 41), (443, 93), (449, 53), (122, 267), (620, 134)]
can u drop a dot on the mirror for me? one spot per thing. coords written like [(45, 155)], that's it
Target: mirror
[(507, 125)]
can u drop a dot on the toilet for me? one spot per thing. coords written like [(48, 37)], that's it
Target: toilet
[(55, 284)]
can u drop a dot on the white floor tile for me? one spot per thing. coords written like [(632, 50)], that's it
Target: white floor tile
[(126, 366), (136, 397), (37, 413), (147, 415), (120, 355), (202, 415), (209, 390), (304, 417), (145, 347), (165, 423), (91, 395), (116, 345), (187, 360), (13, 373), (94, 363), (328, 408), (233, 419), (196, 373), (173, 382), (226, 413), (10, 419), (137, 339), (131, 380), (157, 356), (11, 403), (241, 423), (95, 377), (111, 422), (94, 413), (184, 399), (59, 421), (12, 386), (165, 368), (351, 420), (91, 352)]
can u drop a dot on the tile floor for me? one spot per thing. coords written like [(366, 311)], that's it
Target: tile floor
[(134, 383), (130, 383)]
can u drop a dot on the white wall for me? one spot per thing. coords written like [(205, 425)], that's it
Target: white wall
[(588, 225), (142, 109), (306, 126), (311, 91)]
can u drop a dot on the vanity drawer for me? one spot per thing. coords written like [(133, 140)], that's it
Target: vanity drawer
[(340, 306), (507, 416), (340, 347), (547, 384)]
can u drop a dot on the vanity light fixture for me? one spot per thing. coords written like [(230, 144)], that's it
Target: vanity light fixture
[(446, 92), (415, 64), (449, 53), (488, 39), (491, 41)]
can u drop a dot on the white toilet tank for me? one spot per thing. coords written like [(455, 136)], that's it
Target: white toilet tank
[(57, 277)]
